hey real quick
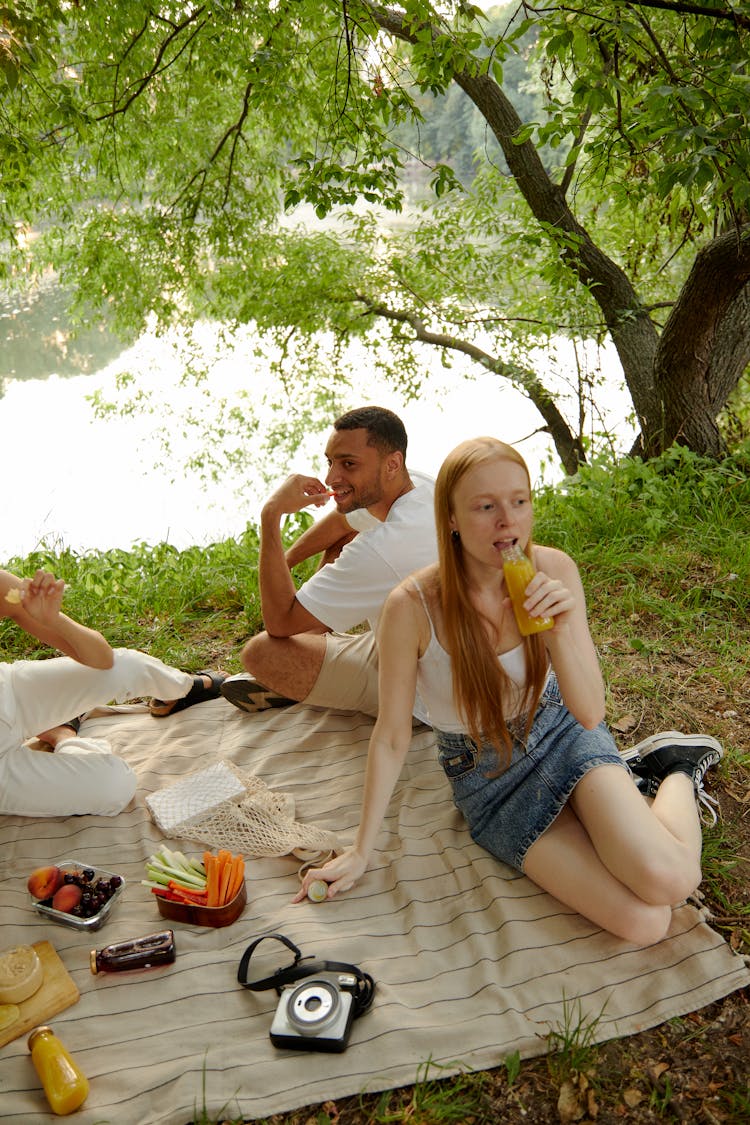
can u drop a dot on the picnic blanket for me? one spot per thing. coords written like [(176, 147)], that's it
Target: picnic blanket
[(471, 961)]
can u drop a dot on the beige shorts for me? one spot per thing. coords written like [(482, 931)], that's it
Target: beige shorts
[(348, 680)]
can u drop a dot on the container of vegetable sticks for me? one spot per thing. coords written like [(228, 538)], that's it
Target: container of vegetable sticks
[(202, 891), (197, 915)]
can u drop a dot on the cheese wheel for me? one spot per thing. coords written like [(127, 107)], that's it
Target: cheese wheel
[(21, 974)]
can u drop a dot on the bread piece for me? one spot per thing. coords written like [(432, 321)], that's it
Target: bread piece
[(21, 974), (9, 1013)]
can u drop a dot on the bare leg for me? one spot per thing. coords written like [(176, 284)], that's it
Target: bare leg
[(614, 860), (563, 862), (54, 735), (287, 665), (654, 851)]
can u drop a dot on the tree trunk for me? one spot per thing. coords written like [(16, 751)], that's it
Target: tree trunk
[(730, 356), (704, 348)]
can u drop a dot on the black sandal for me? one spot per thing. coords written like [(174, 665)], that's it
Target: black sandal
[(198, 693)]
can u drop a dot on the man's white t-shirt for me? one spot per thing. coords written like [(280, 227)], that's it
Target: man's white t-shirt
[(352, 589)]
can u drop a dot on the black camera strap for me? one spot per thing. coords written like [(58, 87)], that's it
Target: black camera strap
[(302, 967)]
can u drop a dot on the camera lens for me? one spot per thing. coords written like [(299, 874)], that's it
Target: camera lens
[(312, 1006)]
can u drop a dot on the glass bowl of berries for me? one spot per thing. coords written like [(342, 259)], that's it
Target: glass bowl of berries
[(74, 893)]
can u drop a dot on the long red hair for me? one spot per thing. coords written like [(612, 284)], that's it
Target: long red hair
[(479, 681)]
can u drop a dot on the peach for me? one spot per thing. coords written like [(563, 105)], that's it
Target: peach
[(43, 882), (68, 896)]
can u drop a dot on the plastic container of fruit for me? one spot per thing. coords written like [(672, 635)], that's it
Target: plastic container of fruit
[(81, 921)]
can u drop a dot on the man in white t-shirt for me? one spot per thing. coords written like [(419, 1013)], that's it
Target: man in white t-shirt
[(383, 529)]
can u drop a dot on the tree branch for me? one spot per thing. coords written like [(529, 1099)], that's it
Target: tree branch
[(156, 68), (569, 447), (685, 9), (235, 131), (677, 8)]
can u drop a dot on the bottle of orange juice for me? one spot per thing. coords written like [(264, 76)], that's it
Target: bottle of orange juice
[(64, 1083), (519, 570)]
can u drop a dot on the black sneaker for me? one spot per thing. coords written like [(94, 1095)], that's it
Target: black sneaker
[(670, 752), (646, 786), (250, 696)]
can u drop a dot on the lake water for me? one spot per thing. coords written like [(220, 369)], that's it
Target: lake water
[(73, 480)]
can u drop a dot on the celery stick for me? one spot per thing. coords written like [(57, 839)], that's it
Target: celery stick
[(157, 875), (163, 873)]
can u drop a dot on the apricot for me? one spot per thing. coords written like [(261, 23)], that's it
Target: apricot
[(68, 896), (43, 882)]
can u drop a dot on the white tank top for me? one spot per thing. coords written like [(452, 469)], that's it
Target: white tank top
[(435, 685)]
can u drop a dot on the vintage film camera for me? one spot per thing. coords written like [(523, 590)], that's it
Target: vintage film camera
[(315, 1015), (318, 1001)]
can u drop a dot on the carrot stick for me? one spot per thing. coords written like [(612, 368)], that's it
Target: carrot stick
[(226, 871), (231, 880), (236, 876), (175, 886), (225, 861), (212, 882), (223, 856)]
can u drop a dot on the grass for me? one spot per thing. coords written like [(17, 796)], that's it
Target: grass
[(191, 608), (664, 553), (572, 1044)]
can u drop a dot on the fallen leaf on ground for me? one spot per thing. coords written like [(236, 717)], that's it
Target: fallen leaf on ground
[(625, 724), (569, 1105), (632, 1097)]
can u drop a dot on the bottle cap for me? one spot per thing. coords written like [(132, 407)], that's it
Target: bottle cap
[(92, 962), (36, 1033)]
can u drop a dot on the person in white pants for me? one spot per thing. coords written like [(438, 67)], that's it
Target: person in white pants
[(37, 698)]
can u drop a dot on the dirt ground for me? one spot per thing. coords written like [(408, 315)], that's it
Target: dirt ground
[(694, 1070)]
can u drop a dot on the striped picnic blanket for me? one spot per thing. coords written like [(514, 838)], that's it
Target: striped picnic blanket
[(471, 961)]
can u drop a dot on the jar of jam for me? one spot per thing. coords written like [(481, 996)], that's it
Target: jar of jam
[(64, 1083), (136, 953)]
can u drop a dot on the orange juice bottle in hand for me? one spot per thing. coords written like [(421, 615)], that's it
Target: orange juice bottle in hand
[(519, 570)]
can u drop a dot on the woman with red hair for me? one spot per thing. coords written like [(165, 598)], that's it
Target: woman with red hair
[(519, 720)]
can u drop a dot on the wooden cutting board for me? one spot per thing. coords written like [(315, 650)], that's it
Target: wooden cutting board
[(57, 993)]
